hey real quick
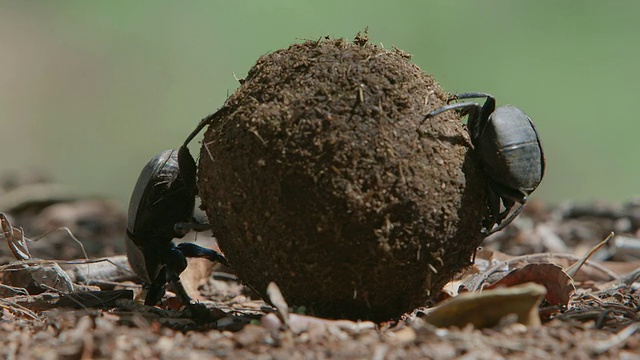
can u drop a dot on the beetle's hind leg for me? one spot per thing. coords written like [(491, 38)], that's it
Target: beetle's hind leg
[(508, 220), (500, 202), (468, 108), (199, 312), (204, 122), (174, 279), (155, 290)]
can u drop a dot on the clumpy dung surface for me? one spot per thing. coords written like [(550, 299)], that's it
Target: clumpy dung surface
[(319, 174)]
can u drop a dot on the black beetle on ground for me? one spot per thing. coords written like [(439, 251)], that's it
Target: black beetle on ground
[(160, 210), (510, 150)]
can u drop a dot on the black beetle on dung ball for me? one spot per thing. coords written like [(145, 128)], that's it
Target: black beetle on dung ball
[(509, 147), (160, 210)]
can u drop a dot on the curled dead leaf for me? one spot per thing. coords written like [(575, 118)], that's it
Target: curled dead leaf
[(487, 308), (558, 284)]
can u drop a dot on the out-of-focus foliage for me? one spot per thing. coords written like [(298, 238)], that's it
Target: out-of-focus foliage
[(90, 90)]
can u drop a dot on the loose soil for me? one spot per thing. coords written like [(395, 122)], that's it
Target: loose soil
[(598, 323)]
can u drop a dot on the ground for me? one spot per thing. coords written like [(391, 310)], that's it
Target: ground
[(39, 318)]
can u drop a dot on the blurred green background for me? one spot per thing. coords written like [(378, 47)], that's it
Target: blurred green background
[(90, 90)]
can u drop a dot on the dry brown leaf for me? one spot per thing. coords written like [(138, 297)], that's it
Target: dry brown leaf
[(35, 276), (558, 284), (487, 308), (486, 259), (197, 273)]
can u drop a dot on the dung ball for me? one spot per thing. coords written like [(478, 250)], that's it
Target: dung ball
[(320, 174)]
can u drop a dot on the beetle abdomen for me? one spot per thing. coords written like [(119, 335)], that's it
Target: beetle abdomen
[(511, 150), (523, 166)]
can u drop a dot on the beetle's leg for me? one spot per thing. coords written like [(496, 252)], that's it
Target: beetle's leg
[(175, 264), (174, 279), (493, 203), (506, 192), (474, 112), (187, 164), (193, 250), (155, 290), (188, 170), (185, 227), (509, 198), (479, 122), (508, 205), (204, 122), (508, 220), (468, 107), (473, 95), (199, 312)]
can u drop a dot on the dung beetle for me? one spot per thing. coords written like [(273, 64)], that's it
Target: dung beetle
[(160, 210), (509, 147)]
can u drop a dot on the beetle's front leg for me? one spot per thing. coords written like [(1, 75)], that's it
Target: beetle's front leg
[(193, 250), (508, 220), (199, 312), (174, 279)]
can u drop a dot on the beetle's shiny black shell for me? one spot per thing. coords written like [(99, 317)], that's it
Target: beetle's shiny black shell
[(160, 199), (146, 264), (511, 150)]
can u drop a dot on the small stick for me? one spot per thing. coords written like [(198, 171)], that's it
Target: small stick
[(83, 299), (573, 269)]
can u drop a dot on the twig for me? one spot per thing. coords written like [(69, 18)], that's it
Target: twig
[(114, 268), (603, 346), (276, 298), (84, 299), (573, 269), (18, 309)]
